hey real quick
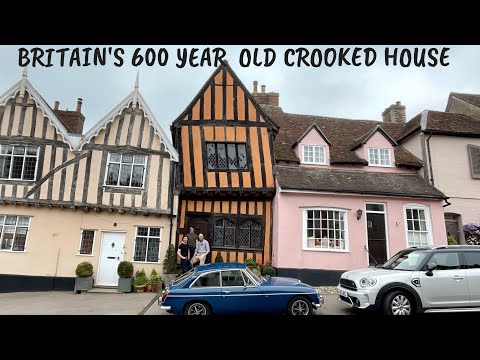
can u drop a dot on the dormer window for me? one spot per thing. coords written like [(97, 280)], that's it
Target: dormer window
[(379, 157), (313, 154)]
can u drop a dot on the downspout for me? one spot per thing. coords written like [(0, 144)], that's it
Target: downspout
[(173, 180), (430, 160), (447, 203)]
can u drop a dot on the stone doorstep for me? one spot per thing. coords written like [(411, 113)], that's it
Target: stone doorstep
[(102, 290)]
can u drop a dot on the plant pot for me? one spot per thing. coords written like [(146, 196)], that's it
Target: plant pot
[(155, 287), (83, 284), (168, 278), (148, 288), (124, 285), (139, 288)]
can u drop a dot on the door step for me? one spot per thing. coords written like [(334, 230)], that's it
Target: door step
[(103, 290), (432, 311)]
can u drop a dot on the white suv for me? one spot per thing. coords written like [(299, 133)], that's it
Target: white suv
[(420, 279)]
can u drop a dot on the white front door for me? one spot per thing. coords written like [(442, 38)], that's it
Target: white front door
[(111, 253)]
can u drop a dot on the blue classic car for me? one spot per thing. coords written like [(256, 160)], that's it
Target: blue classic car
[(225, 288)]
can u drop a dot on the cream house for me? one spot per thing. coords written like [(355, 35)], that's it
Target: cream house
[(449, 145), (67, 197)]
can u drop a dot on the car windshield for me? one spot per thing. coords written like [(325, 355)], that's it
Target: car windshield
[(408, 260), (255, 277), (183, 277)]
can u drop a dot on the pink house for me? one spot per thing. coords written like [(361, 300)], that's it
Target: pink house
[(347, 195)]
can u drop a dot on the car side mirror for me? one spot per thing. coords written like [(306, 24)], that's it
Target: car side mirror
[(430, 267)]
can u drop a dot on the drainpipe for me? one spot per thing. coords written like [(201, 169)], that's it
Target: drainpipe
[(430, 160), (447, 203), (170, 200)]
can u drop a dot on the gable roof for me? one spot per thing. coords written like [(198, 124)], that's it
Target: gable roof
[(342, 133), (442, 123), (319, 131), (355, 182), (473, 99), (40, 102), (367, 136), (224, 66), (137, 99)]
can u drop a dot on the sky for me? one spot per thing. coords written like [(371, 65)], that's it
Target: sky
[(345, 91)]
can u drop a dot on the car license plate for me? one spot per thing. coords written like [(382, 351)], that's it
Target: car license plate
[(342, 292)]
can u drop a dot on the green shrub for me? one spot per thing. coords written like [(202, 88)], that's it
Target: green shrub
[(84, 269), (252, 264), (170, 261), (451, 240), (219, 258), (142, 273), (154, 277), (268, 270), (125, 269), (139, 281)]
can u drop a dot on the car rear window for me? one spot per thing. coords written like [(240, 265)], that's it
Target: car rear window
[(473, 259), (208, 280)]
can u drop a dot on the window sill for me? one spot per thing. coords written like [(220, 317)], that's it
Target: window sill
[(91, 255), (312, 163), (17, 182), (326, 250), (381, 166), (124, 190), (14, 252), (145, 262)]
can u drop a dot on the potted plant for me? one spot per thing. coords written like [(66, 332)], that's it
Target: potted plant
[(148, 285), (269, 270), (84, 279), (219, 258), (169, 265), (140, 281), (155, 279), (125, 274), (254, 266)]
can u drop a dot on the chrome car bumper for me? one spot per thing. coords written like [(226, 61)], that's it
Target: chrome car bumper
[(167, 308), (355, 299), (320, 303)]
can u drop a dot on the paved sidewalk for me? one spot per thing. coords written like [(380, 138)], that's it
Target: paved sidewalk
[(69, 303)]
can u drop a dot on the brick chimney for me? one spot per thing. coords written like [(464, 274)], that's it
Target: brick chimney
[(72, 120), (395, 113), (271, 98)]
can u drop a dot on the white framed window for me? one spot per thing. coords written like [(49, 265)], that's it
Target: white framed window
[(147, 244), (87, 241), (417, 225), (126, 170), (325, 229), (18, 162), (379, 157), (313, 154), (14, 230)]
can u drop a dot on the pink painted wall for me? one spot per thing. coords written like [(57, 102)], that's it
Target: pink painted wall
[(377, 140), (288, 229)]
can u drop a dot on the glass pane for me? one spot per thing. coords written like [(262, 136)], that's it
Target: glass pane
[(211, 156), (32, 150), (316, 214), (244, 237), (473, 260), (409, 213), (140, 159), (242, 156), (5, 166), (127, 158), (232, 156), (421, 214), (140, 249), (2, 219), (155, 232), (10, 220), (17, 167), (208, 280), (18, 150), (115, 157), (137, 176), (218, 236), (6, 149), (7, 240), (423, 225), (229, 236), (29, 168), (112, 176), (153, 247), (256, 235), (87, 242), (375, 207), (23, 220), (222, 158), (232, 278), (125, 173), (142, 231), (410, 238)]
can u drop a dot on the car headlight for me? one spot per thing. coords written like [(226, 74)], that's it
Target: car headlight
[(367, 282)]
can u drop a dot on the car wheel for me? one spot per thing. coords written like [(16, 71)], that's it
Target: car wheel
[(398, 302), (196, 308), (300, 306)]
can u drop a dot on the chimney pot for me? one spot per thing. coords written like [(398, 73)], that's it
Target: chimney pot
[(255, 86), (79, 105), (395, 113), (57, 104), (263, 89), (398, 103)]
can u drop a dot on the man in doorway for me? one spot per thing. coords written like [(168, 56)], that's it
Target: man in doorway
[(192, 241), (184, 254), (201, 251)]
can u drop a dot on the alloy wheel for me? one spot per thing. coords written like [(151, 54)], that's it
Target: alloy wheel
[(300, 307), (401, 305)]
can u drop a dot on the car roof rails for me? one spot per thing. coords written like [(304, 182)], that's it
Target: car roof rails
[(456, 247)]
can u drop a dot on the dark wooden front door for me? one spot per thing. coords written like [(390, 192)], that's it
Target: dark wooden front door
[(201, 224), (377, 237)]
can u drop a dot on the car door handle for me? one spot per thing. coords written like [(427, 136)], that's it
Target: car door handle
[(457, 278), (227, 292)]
